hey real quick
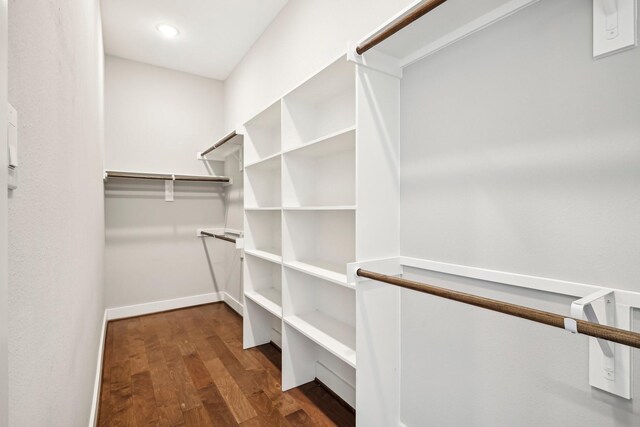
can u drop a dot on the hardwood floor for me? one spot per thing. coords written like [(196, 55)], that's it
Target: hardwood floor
[(187, 368)]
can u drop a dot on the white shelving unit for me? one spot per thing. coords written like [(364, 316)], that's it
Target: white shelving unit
[(323, 195)]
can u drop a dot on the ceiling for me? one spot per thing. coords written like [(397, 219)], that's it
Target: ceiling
[(214, 34)]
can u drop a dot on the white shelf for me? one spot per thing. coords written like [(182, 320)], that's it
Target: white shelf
[(262, 162), (321, 174), (334, 336), (263, 135), (275, 208), (446, 24), (332, 135), (323, 105), (322, 270), (319, 242), (265, 254), (270, 299), (319, 208), (262, 183)]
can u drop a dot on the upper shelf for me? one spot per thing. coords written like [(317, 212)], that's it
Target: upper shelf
[(448, 23), (165, 176), (228, 144)]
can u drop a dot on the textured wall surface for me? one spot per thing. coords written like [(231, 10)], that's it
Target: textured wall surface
[(56, 216), (4, 294), (520, 153), (156, 120)]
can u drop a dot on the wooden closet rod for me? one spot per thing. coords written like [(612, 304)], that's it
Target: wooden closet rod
[(397, 24), (165, 177), (224, 140), (218, 236), (595, 330)]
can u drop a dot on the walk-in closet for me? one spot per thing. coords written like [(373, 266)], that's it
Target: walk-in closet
[(320, 213)]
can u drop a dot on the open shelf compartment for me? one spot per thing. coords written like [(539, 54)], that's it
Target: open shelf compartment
[(322, 174), (321, 106), (263, 135), (321, 241), (263, 284), (262, 184), (263, 234), (321, 311)]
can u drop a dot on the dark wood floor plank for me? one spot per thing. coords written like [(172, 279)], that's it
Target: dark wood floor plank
[(197, 417), (230, 391), (144, 399), (187, 368), (216, 407), (137, 351)]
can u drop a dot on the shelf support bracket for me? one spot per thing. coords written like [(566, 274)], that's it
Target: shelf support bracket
[(609, 363)]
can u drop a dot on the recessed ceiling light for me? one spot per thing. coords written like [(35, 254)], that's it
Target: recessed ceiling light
[(167, 30)]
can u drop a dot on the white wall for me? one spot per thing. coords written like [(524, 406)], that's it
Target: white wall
[(56, 223), (156, 121), (4, 319), (305, 37), (520, 153)]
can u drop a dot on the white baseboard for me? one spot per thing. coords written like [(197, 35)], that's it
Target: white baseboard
[(159, 306), (336, 383), (93, 416), (233, 303)]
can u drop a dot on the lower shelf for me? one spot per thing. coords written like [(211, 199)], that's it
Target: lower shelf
[(269, 255), (322, 269), (270, 299), (336, 337)]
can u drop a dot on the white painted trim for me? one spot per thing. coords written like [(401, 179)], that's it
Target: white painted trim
[(95, 404), (336, 383), (233, 303), (463, 32), (543, 284), (159, 306)]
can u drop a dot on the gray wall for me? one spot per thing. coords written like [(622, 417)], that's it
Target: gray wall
[(156, 120), (56, 222), (520, 153), (3, 221)]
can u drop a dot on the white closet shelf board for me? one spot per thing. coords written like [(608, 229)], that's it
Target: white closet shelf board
[(321, 174), (330, 272), (270, 299), (263, 134), (262, 161), (268, 164), (321, 106), (269, 254), (336, 337), (262, 183), (446, 24), (330, 136), (262, 209), (319, 208)]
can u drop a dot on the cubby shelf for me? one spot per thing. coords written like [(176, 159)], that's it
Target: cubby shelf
[(334, 336), (249, 208), (262, 135), (265, 254), (270, 299), (319, 208), (262, 161), (332, 135), (322, 270)]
